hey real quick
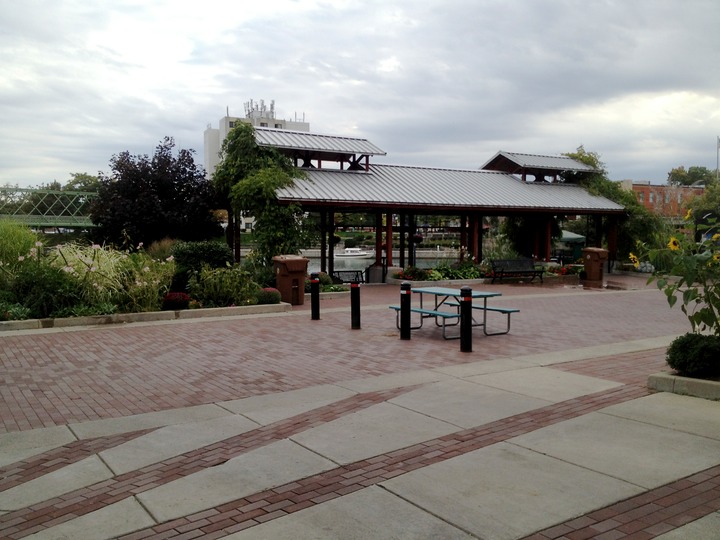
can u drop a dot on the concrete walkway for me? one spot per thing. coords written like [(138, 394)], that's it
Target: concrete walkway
[(276, 426)]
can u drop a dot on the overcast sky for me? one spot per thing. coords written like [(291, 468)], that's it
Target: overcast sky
[(443, 83)]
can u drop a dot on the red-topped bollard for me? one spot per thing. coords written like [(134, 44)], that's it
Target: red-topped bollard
[(466, 319), (355, 305), (314, 296), (405, 292)]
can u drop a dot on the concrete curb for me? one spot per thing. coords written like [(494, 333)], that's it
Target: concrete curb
[(686, 386), (151, 316)]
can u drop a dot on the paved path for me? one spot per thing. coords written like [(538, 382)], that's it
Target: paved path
[(277, 426)]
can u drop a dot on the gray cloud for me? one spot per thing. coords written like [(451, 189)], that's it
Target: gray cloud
[(433, 83)]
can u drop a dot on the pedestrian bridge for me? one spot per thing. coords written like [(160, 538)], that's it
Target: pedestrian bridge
[(46, 207)]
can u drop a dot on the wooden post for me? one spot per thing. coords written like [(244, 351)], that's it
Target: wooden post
[(389, 239)]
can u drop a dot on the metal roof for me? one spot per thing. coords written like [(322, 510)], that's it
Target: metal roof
[(314, 142), (440, 189), (514, 162)]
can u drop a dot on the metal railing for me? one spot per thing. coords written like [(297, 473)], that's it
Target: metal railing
[(46, 207)]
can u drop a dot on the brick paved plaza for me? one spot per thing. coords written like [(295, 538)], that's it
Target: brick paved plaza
[(132, 431)]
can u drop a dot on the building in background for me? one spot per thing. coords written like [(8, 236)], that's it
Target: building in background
[(662, 199), (257, 114)]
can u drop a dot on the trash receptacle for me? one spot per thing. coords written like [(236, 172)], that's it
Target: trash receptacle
[(290, 274), (594, 259)]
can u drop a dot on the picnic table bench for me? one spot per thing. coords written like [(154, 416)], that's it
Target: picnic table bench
[(504, 310), (451, 298), (503, 268), (429, 313)]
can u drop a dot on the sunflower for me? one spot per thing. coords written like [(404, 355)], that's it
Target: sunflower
[(674, 244), (688, 214), (716, 237), (634, 260)]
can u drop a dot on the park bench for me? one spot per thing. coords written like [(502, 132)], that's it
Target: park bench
[(503, 268), (348, 276), (429, 313)]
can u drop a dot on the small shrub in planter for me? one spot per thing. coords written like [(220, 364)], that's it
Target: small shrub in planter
[(192, 256), (268, 295), (13, 312), (326, 283), (173, 301), (222, 287), (412, 273), (695, 355)]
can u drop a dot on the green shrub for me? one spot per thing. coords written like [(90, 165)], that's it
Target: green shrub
[(412, 273), (160, 250), (144, 282), (466, 269), (13, 312), (695, 355), (462, 270), (99, 270), (262, 274), (44, 288), (351, 242), (268, 295), (192, 256), (83, 310), (326, 284), (221, 287), (16, 241)]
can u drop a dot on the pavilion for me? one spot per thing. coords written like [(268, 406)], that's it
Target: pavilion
[(340, 178)]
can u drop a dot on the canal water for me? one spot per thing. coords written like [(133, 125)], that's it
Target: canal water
[(425, 259)]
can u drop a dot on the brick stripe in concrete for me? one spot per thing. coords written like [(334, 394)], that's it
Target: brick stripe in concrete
[(292, 497), (85, 500)]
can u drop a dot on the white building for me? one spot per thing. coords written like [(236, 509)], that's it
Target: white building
[(256, 114)]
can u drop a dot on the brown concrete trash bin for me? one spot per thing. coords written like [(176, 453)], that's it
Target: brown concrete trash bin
[(594, 259), (290, 274)]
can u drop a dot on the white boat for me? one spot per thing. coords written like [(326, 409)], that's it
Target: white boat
[(355, 252)]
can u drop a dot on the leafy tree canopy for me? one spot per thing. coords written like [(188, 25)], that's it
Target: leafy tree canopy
[(150, 198), (639, 223), (242, 157), (693, 176), (708, 201), (82, 182), (706, 210), (278, 229), (249, 176)]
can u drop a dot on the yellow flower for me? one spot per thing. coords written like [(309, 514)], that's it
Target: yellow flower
[(688, 214), (716, 237), (674, 244), (634, 260)]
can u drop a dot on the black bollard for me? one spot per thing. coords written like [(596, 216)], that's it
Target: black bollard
[(405, 295), (314, 297), (355, 305), (466, 319)]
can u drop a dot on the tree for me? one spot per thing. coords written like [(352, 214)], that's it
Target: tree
[(82, 182), (694, 176), (278, 229), (238, 181), (637, 224), (705, 210), (147, 199)]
